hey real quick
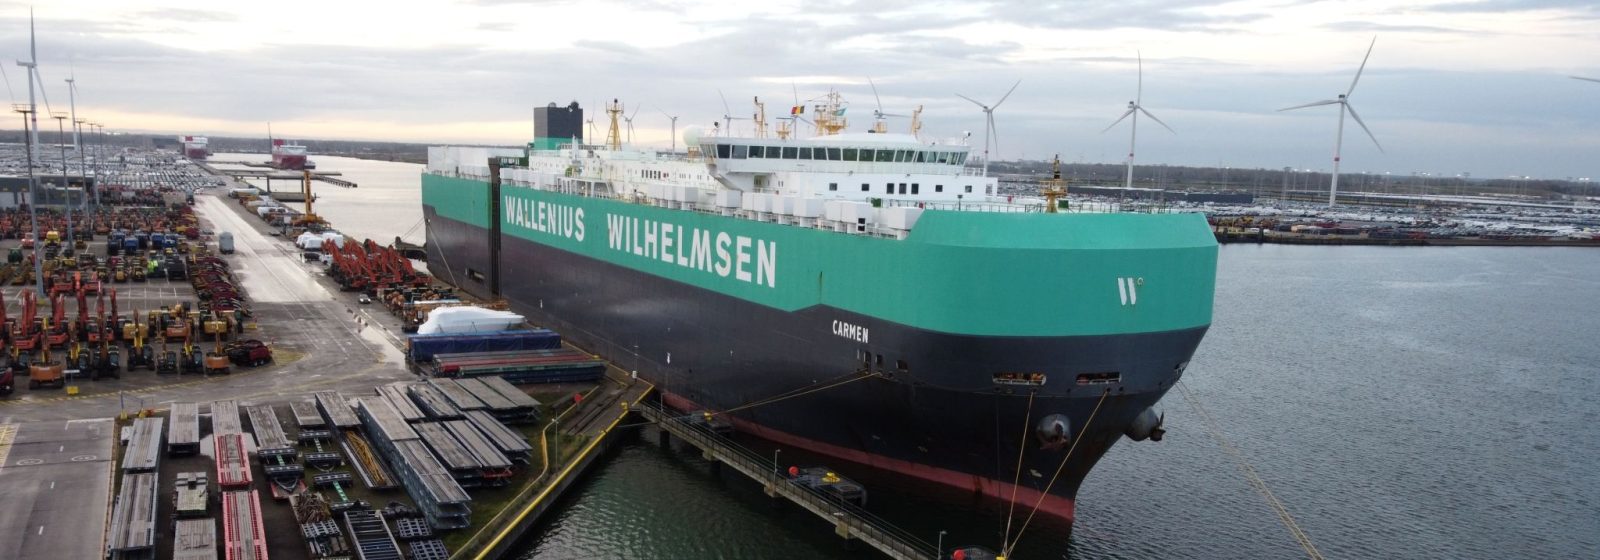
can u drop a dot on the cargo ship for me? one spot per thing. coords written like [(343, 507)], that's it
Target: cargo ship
[(195, 147), (866, 295), (289, 156)]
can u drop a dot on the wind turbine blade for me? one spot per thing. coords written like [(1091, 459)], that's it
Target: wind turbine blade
[(1158, 121), (1363, 66), (1585, 79), (1118, 121), (875, 94), (1008, 93), (1315, 104), (725, 110), (1364, 127), (1138, 96), (974, 101)]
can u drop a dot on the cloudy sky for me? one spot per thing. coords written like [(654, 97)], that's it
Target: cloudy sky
[(1478, 86)]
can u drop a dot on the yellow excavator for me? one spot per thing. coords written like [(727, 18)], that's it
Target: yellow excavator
[(139, 354), (217, 359)]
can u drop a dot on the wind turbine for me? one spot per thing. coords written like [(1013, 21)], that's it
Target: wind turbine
[(1134, 108), (727, 115), (879, 124), (32, 140), (1343, 101), (674, 119), (989, 130), (629, 119)]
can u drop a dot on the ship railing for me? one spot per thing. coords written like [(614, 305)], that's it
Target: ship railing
[(879, 532)]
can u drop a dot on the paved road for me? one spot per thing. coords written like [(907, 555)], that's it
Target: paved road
[(266, 265), (55, 487)]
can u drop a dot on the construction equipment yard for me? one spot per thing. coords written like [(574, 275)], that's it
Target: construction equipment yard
[(330, 446)]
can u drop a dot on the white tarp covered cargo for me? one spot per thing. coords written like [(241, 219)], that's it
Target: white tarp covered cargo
[(468, 319)]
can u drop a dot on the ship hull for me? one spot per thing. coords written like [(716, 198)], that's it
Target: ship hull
[(923, 414), (294, 162)]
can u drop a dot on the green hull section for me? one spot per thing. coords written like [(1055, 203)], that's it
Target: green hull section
[(973, 273)]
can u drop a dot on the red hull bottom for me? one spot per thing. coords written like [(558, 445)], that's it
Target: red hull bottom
[(1058, 507)]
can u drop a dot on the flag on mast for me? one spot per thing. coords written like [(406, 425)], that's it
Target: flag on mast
[(797, 110)]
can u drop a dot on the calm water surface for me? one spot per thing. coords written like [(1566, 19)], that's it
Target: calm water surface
[(387, 203), (1400, 402)]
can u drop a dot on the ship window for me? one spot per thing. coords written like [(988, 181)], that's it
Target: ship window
[(915, 187), (969, 188), (475, 275), (740, 151), (922, 157), (907, 155), (755, 152), (902, 365), (790, 153), (880, 359), (849, 154), (833, 186), (805, 153), (774, 152), (724, 151), (886, 156), (902, 188), (1099, 378), (938, 188), (833, 154), (888, 188), (866, 155), (864, 187), (961, 159), (1019, 378)]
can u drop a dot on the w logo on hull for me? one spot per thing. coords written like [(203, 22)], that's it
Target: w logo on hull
[(1128, 288)]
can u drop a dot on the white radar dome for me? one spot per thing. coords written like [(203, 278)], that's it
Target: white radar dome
[(691, 136)]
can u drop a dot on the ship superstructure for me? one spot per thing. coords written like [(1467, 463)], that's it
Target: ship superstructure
[(286, 155), (958, 333)]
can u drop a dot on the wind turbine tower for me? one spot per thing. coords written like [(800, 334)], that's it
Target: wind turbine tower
[(1343, 101), (1134, 108)]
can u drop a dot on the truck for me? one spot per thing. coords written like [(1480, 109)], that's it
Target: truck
[(225, 243)]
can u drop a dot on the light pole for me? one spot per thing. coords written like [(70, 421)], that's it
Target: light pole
[(775, 453), (939, 554), (66, 184)]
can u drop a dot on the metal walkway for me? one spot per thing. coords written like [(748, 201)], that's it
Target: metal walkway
[(849, 521)]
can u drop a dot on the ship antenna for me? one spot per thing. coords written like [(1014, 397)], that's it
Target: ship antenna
[(614, 135)]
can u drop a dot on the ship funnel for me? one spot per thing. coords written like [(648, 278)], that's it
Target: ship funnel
[(1148, 425)]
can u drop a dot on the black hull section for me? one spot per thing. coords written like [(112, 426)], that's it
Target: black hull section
[(933, 412)]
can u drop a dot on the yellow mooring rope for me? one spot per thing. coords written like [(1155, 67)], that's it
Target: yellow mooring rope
[(1022, 446), (1251, 476), (1059, 468)]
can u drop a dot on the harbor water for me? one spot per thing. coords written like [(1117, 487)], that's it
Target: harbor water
[(1400, 402), (387, 201)]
